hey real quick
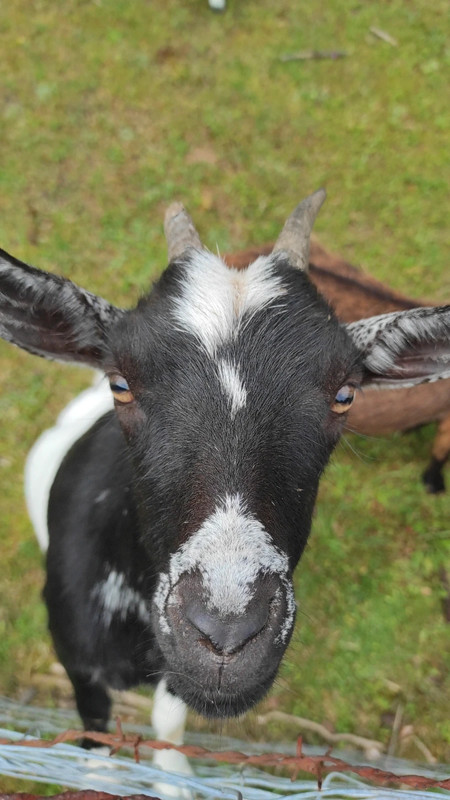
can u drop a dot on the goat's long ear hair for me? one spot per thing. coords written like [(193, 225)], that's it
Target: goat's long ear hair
[(404, 348), (50, 316)]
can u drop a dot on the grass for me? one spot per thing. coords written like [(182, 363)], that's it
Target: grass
[(112, 110)]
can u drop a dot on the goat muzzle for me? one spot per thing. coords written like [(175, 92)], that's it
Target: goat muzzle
[(222, 662)]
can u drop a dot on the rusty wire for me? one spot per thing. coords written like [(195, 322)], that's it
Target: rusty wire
[(86, 794), (318, 766)]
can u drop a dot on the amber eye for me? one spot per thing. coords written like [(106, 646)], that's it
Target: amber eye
[(120, 389), (343, 399)]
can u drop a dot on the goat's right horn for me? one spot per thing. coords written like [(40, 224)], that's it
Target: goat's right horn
[(295, 236), (180, 231)]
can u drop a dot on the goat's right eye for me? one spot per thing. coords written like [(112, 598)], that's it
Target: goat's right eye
[(343, 399), (120, 389)]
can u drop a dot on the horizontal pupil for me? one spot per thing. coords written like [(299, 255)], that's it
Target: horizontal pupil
[(116, 387), (344, 396)]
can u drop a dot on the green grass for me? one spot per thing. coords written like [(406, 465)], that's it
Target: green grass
[(370, 592), (112, 110)]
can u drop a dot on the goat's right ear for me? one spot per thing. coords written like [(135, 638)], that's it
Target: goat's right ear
[(50, 316)]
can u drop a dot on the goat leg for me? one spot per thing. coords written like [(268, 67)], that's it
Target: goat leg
[(433, 477), (93, 704)]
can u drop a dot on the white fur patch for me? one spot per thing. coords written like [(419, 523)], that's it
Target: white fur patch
[(230, 550), (102, 496), (215, 298), (232, 385), (117, 598), (48, 452)]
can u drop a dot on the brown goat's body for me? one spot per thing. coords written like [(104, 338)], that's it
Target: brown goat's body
[(355, 295)]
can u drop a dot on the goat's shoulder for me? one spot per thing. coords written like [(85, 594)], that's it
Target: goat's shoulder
[(91, 499)]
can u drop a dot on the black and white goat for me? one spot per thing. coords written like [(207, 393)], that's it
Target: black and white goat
[(177, 503)]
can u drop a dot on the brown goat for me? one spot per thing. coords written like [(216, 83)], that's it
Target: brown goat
[(355, 295)]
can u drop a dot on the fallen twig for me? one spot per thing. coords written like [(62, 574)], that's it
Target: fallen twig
[(310, 55), (386, 37), (124, 699), (392, 747), (428, 755), (371, 747), (407, 735)]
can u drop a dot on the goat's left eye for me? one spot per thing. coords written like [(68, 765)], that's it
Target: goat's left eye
[(343, 399), (120, 389)]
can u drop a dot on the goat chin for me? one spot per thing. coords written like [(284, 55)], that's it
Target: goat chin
[(215, 703), (221, 686)]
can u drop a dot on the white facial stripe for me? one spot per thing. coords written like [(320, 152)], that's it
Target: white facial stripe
[(116, 598), (232, 385), (215, 298), (230, 550)]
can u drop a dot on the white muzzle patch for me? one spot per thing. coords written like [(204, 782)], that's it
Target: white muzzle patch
[(230, 551)]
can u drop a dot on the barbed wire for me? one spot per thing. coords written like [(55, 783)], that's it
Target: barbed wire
[(85, 794), (319, 766)]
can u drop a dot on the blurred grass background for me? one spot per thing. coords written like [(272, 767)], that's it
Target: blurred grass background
[(109, 111)]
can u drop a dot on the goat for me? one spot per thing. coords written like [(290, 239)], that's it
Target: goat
[(177, 503), (354, 295)]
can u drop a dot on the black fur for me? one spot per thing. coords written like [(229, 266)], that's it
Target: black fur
[(134, 489)]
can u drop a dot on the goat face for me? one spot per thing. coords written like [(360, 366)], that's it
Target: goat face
[(228, 447), (229, 389)]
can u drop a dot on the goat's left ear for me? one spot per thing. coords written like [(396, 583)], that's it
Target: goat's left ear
[(50, 316), (404, 348)]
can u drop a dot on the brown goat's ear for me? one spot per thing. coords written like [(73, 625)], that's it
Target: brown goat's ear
[(50, 316), (404, 348)]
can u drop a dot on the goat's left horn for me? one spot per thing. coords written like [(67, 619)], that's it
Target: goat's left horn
[(295, 236), (180, 231)]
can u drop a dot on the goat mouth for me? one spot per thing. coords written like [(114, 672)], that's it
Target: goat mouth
[(218, 703)]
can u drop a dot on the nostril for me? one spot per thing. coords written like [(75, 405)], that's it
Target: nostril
[(227, 635)]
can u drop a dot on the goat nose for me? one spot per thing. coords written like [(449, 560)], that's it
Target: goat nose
[(227, 635)]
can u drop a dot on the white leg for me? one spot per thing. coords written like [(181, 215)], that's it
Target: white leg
[(169, 719), (98, 767)]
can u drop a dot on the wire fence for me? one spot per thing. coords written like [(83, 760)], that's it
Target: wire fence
[(235, 773)]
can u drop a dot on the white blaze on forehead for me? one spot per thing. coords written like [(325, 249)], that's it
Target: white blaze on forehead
[(117, 598), (215, 298), (232, 385), (230, 550)]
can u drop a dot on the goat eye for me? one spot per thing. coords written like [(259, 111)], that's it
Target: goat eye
[(120, 389), (343, 399)]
